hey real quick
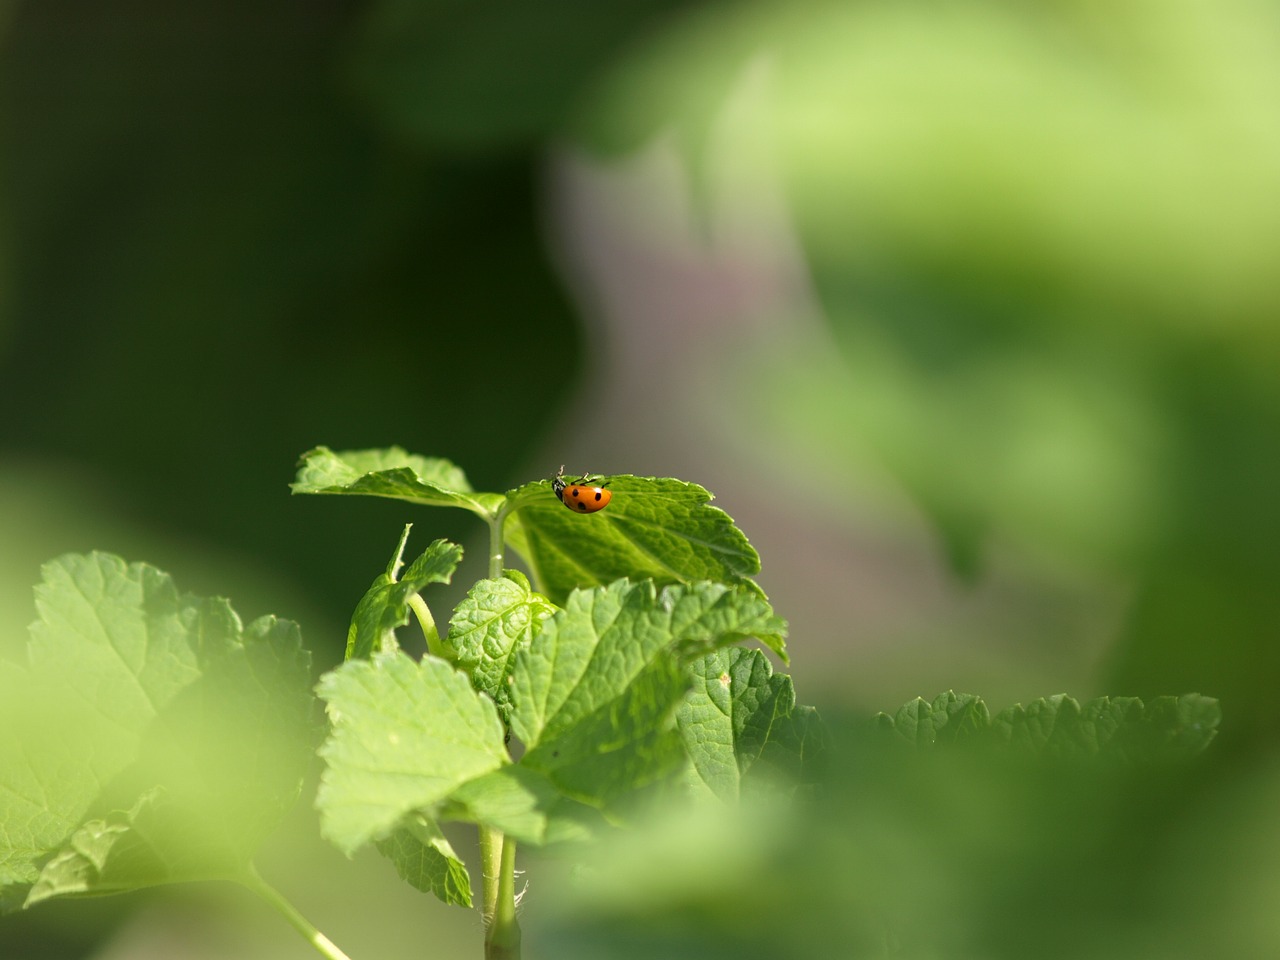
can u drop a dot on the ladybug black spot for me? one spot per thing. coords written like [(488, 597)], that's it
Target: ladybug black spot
[(598, 494), (582, 507)]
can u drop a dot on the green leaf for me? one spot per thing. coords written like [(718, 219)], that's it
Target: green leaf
[(656, 528), (741, 727), (403, 736), (392, 473), (142, 692), (1183, 726), (1166, 728), (1057, 726), (415, 67), (595, 696), (523, 803), (385, 605), (103, 856), (496, 620), (1049, 725), (593, 649), (949, 718), (426, 861), (661, 529)]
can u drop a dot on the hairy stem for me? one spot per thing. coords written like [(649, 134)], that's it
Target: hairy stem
[(252, 880), (502, 931), (490, 869)]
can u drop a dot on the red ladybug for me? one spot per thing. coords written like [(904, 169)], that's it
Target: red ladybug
[(579, 496)]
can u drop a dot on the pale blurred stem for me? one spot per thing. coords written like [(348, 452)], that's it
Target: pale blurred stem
[(252, 880), (496, 558), (497, 852)]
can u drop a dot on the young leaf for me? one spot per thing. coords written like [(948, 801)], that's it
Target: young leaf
[(662, 529), (425, 860), (403, 736), (392, 473), (490, 626), (385, 606), (740, 725), (159, 696)]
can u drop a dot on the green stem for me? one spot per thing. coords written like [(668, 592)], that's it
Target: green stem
[(252, 880), (498, 853), (490, 869), (435, 646), (502, 931), (496, 545)]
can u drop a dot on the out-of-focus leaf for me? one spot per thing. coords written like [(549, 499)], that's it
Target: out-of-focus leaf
[(1167, 728), (950, 717), (482, 78), (159, 704)]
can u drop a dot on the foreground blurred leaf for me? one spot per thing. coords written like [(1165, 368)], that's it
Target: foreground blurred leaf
[(160, 704), (462, 76), (962, 851), (659, 528)]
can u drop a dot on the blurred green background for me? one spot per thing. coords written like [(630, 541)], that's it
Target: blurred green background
[(966, 311)]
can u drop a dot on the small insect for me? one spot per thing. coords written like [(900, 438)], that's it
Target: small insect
[(579, 496)]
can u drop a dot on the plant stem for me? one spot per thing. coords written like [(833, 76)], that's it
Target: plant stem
[(498, 852), (496, 544), (490, 868), (502, 932), (252, 880), (435, 646)]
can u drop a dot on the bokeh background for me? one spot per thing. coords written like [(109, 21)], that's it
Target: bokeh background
[(967, 312)]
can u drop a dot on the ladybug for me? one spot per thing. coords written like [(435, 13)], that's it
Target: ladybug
[(578, 496)]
